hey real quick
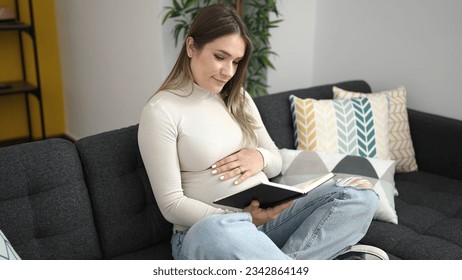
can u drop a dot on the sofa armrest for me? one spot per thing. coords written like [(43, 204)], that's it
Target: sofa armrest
[(437, 142)]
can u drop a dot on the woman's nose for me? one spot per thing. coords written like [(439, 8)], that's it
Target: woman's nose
[(228, 70)]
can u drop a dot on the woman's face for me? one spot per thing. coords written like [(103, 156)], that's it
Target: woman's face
[(216, 63)]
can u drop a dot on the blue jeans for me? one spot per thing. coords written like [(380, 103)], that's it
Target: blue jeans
[(318, 226)]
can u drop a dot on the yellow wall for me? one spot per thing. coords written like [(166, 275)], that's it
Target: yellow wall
[(13, 116)]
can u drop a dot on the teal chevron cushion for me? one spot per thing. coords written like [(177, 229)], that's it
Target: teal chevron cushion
[(400, 145), (299, 166), (357, 126), (6, 250)]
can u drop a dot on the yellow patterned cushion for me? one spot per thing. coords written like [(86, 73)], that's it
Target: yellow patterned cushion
[(357, 126), (400, 145)]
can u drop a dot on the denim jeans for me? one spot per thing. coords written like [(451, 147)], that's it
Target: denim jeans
[(318, 226)]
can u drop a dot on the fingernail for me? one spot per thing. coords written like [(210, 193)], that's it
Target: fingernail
[(214, 171), (214, 166), (236, 182), (222, 177)]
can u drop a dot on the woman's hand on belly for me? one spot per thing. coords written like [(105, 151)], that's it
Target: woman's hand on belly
[(245, 163)]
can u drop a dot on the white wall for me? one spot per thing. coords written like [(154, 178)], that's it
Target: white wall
[(115, 53), (111, 61), (171, 51), (293, 42), (415, 43)]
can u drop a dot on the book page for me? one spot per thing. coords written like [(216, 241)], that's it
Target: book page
[(310, 184)]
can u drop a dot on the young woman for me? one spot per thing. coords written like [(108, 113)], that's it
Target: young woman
[(201, 137)]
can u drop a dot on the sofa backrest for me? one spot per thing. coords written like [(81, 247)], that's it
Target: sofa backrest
[(277, 117), (45, 209), (127, 218)]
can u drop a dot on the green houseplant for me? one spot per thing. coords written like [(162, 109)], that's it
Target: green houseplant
[(256, 15)]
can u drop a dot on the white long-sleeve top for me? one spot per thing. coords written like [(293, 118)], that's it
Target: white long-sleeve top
[(181, 134)]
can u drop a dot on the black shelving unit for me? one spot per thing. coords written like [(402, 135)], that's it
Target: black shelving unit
[(24, 86)]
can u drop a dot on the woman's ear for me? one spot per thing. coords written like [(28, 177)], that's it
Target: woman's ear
[(190, 46)]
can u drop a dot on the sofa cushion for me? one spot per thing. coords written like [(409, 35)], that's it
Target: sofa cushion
[(436, 141), (357, 126), (429, 208), (400, 141), (44, 203), (128, 221)]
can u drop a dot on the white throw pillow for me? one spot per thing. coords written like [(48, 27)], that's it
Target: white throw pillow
[(299, 166), (6, 250)]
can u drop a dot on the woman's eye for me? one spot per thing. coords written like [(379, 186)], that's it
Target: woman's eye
[(219, 57), (236, 62)]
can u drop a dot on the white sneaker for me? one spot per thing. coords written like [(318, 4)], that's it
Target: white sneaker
[(363, 252)]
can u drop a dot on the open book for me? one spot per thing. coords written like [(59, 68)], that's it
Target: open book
[(270, 194)]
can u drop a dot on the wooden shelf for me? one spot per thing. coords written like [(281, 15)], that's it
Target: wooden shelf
[(22, 86), (14, 87), (13, 25)]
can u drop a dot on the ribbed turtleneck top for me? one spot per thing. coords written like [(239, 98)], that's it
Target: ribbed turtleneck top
[(181, 134)]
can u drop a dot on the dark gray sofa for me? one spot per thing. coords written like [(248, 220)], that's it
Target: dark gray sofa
[(93, 200)]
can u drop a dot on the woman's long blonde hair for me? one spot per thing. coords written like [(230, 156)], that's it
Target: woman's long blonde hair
[(211, 23)]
